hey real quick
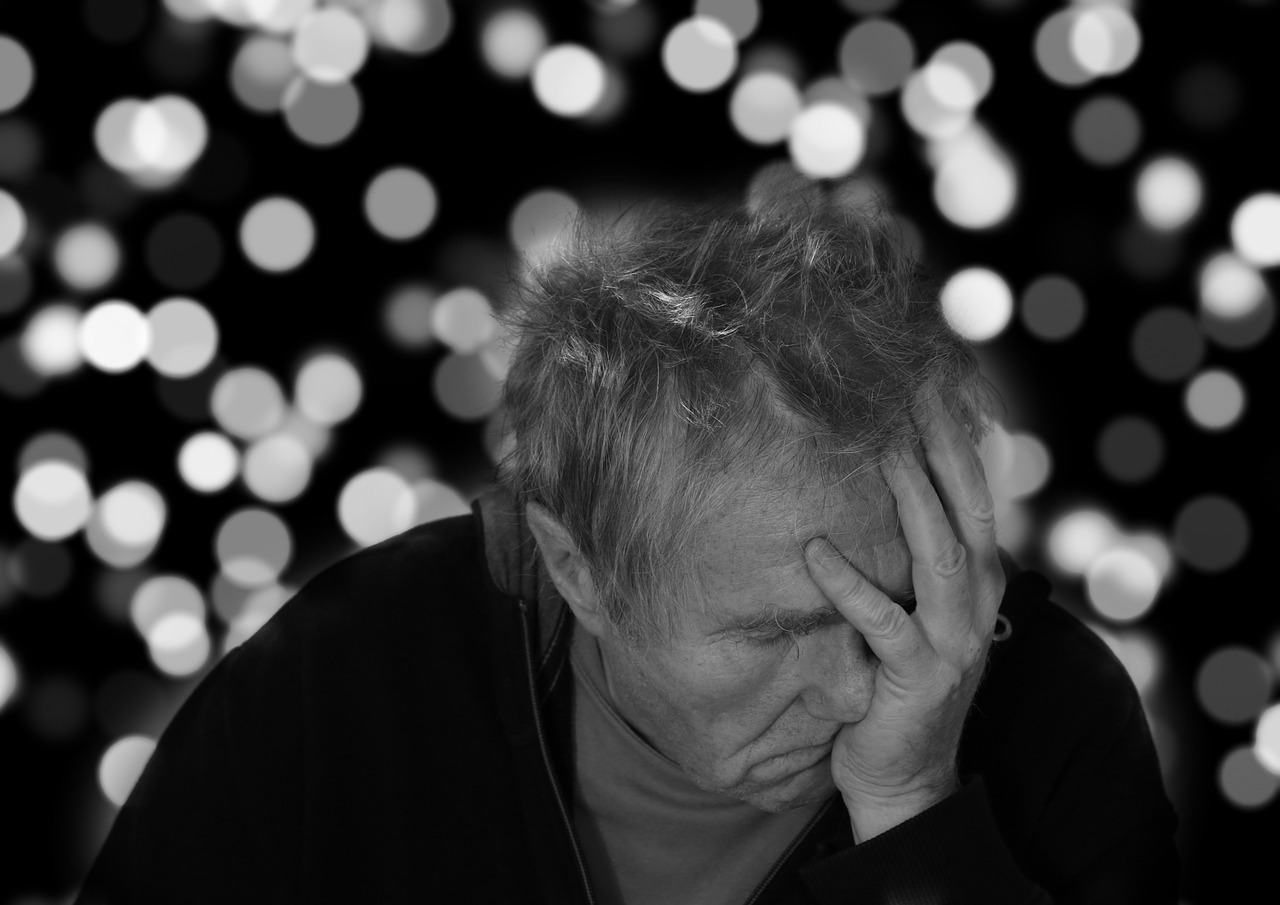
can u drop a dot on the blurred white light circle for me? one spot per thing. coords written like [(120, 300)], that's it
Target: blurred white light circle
[(208, 462), (401, 203), (568, 79), (958, 75), (178, 133), (1135, 653), (52, 500), (1150, 545), (18, 74), (1168, 192), (739, 16), (1266, 737), (121, 766), (114, 336), (162, 596), (700, 54), (977, 303), (1122, 584), (184, 337), (1104, 39), (826, 140), (1255, 229), (248, 402), (258, 608), (51, 340), (277, 468), (1230, 287), (463, 319), (1030, 467), (538, 221), (1214, 399), (253, 547), (997, 452), (133, 513), (8, 677), (86, 256), (1055, 48), (433, 499), (330, 45), (926, 114), (261, 72), (179, 645), (374, 505), (510, 42), (410, 26), (328, 389), (277, 234), (763, 106), (975, 188), (1077, 538), (13, 223), (113, 135)]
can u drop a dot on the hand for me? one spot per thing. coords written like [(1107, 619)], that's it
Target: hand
[(901, 757)]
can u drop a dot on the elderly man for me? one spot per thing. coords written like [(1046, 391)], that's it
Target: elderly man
[(731, 627)]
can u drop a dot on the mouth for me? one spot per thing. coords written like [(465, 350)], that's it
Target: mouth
[(797, 760)]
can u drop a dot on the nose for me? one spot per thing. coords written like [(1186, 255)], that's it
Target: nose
[(837, 671)]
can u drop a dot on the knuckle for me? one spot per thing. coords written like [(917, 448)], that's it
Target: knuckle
[(951, 561)]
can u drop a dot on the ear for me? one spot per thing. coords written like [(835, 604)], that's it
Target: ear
[(569, 570)]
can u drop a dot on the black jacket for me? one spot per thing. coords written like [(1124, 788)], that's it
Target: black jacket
[(377, 741)]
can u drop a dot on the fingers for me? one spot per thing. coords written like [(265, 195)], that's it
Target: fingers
[(888, 630)]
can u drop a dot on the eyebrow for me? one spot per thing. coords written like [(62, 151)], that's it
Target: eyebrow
[(789, 619)]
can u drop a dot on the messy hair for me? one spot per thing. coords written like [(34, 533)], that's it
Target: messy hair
[(664, 357)]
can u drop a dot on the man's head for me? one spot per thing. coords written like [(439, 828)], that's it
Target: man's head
[(694, 393)]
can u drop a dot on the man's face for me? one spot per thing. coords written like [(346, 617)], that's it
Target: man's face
[(752, 713)]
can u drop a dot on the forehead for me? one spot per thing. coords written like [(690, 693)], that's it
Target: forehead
[(752, 551)]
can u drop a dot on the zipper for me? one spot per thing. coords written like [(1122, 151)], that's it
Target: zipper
[(782, 859), (546, 755)]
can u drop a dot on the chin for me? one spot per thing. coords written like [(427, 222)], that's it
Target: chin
[(800, 790)]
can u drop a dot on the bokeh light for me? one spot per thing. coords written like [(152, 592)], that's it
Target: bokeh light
[(462, 318), (8, 677), (876, 55), (1255, 229), (415, 27), (400, 203), (763, 106), (1214, 399), (328, 388), (1266, 738), (977, 303), (277, 467), (52, 500), (253, 547), (433, 499), (1230, 287), (86, 256), (1167, 345), (1078, 537), (17, 74), (1106, 130), (277, 234), (277, 15), (162, 596), (1056, 51), (51, 340), (1233, 684), (1245, 781), (261, 70), (1168, 192), (1211, 533), (975, 185), (700, 54), (538, 220), (374, 505), (1053, 307), (959, 75), (407, 315), (568, 79), (739, 16), (1130, 449), (511, 40), (330, 44), (1122, 584), (184, 337), (1136, 652), (40, 568), (248, 402), (464, 387), (13, 223), (53, 445), (208, 462), (826, 140), (121, 766), (1104, 38), (322, 114), (133, 512)]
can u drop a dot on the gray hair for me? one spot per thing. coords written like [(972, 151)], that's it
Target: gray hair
[(663, 359)]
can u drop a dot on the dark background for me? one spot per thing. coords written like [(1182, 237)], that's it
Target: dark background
[(485, 143)]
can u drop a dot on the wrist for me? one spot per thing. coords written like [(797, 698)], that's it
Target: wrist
[(872, 815)]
